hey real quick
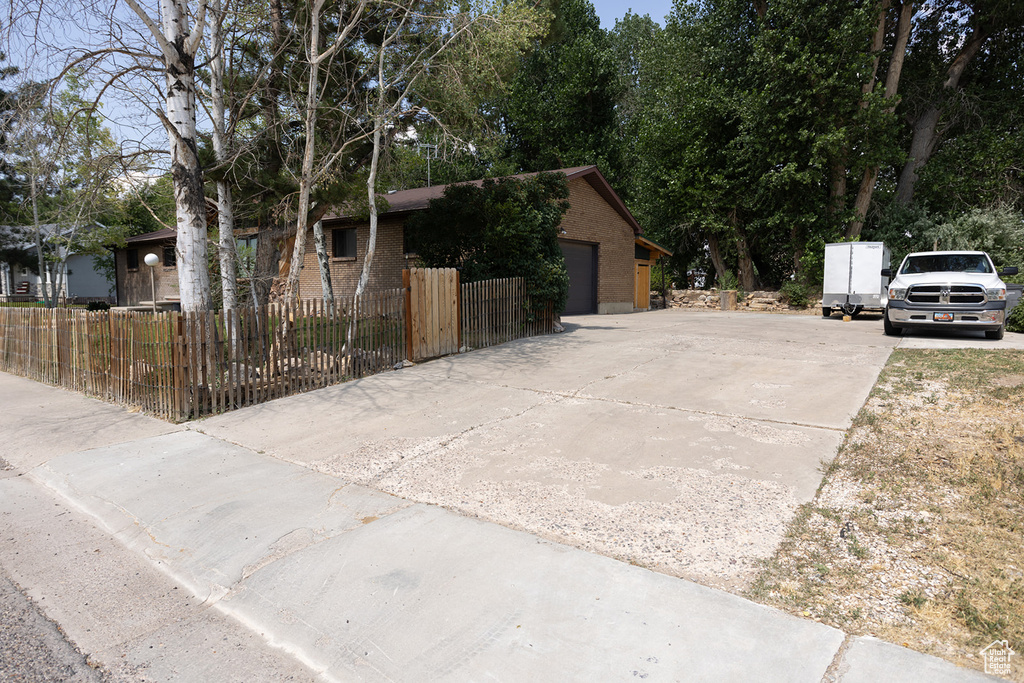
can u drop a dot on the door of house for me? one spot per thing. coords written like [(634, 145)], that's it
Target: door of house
[(642, 289), (432, 312), (581, 264)]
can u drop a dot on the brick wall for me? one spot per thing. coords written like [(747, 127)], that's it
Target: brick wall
[(591, 219), (385, 273)]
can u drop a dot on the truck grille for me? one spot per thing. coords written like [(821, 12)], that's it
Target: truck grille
[(946, 294)]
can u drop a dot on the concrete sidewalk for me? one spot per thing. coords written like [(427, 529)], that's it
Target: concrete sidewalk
[(360, 585), (291, 573)]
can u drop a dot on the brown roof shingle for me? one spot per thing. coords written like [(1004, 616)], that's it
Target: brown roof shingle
[(417, 199)]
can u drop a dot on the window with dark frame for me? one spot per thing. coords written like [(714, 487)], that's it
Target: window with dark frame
[(343, 243), (170, 258), (133, 259), (407, 242)]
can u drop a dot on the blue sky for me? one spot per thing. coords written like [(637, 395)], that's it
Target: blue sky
[(610, 10)]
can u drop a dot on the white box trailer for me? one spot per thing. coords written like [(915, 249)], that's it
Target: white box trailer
[(853, 279)]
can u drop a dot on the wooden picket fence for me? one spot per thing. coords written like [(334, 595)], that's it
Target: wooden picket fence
[(182, 366), (498, 311)]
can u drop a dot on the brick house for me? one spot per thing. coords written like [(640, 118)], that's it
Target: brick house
[(132, 275), (597, 239)]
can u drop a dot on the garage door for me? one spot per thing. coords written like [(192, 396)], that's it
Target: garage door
[(581, 262)]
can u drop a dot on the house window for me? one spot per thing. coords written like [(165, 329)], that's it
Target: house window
[(343, 241), (170, 258), (408, 244), (133, 259)]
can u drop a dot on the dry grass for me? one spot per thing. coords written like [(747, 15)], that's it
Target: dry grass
[(916, 534)]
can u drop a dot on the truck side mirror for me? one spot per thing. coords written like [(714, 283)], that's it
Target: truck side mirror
[(886, 272), (1009, 270)]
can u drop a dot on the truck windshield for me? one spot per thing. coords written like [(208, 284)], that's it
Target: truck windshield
[(946, 263)]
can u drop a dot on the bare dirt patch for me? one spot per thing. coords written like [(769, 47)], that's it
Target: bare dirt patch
[(916, 534)]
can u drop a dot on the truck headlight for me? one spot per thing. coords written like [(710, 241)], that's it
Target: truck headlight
[(996, 294), (898, 293)]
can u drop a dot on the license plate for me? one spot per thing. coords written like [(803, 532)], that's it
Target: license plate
[(943, 317)]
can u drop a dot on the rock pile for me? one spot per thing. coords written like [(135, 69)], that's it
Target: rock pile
[(710, 298)]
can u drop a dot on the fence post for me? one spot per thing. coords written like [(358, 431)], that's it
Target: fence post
[(178, 381), (407, 287)]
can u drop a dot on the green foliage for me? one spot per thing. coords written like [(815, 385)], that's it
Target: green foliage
[(998, 231), (746, 119), (559, 110), (1015, 321), (795, 294), (505, 228)]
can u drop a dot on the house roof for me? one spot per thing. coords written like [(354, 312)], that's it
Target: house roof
[(652, 245), (47, 231), (156, 236), (406, 201)]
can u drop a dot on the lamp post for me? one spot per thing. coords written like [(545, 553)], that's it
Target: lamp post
[(151, 261)]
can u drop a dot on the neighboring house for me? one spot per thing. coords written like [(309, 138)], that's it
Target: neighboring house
[(82, 279), (132, 275), (598, 236), (607, 259)]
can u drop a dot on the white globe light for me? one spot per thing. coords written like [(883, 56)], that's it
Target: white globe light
[(152, 259)]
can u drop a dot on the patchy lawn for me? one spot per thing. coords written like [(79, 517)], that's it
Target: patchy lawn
[(916, 534)]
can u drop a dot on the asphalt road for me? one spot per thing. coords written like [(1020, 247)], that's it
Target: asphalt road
[(34, 650)]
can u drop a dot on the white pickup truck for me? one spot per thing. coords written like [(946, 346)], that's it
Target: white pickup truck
[(946, 289)]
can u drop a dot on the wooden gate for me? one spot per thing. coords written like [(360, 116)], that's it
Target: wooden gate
[(432, 317)]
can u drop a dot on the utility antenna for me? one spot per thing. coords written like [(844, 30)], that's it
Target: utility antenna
[(431, 153)]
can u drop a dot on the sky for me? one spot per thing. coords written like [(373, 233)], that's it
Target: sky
[(610, 10), (131, 121)]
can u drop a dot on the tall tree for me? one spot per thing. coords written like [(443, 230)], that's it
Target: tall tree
[(179, 36), (560, 108), (952, 36), (216, 18)]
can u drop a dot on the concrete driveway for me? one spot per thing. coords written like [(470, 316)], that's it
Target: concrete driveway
[(680, 441)]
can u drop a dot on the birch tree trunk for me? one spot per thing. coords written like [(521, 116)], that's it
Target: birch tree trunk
[(314, 57), (291, 291), (324, 262), (178, 46), (225, 206), (41, 258), (371, 179)]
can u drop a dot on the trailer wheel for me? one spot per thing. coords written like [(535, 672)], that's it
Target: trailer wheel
[(826, 311)]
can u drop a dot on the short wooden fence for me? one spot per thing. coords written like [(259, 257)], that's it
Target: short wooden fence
[(498, 311), (183, 366)]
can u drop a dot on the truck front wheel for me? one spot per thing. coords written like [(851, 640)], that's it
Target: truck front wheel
[(994, 334), (890, 329)]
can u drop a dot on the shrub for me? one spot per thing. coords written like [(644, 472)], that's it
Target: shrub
[(795, 294), (97, 306), (505, 228), (1015, 321)]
